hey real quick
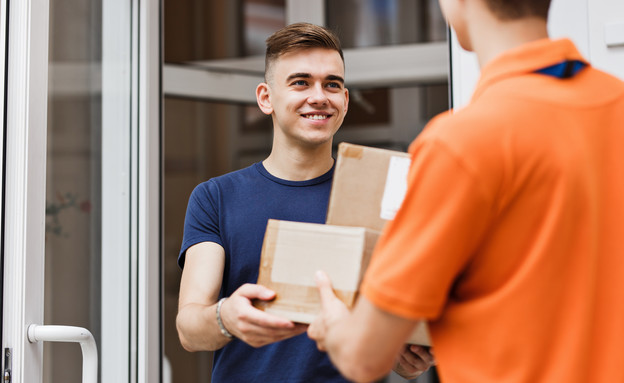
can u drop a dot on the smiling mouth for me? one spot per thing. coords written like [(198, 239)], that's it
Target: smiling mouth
[(316, 116)]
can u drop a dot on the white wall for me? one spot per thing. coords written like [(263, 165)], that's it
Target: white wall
[(591, 24), (606, 19)]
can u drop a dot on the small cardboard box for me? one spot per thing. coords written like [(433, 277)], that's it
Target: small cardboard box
[(368, 186), (292, 252)]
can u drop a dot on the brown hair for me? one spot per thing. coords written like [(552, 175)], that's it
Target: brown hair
[(298, 36), (517, 9)]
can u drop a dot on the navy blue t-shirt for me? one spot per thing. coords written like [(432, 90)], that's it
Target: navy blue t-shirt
[(233, 210)]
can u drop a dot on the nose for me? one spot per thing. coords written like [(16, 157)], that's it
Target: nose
[(317, 96)]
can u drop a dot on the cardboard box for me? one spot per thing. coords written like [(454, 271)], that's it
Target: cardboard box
[(292, 252), (368, 186)]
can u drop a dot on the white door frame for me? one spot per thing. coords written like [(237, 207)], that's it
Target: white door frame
[(3, 24), (149, 202), (116, 255), (131, 325), (25, 176)]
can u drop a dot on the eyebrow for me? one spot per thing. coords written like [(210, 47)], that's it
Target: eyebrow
[(331, 77)]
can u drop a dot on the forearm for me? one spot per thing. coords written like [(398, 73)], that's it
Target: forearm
[(350, 352), (198, 329), (364, 343)]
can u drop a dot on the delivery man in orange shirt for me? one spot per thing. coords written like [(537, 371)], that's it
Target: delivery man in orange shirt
[(508, 241)]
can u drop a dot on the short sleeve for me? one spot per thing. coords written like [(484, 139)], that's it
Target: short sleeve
[(425, 248), (201, 223)]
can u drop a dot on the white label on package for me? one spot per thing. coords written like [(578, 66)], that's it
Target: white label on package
[(299, 254), (396, 186)]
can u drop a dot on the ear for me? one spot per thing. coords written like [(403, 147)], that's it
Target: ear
[(346, 106), (263, 98)]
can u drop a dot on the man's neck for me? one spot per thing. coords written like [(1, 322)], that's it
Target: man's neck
[(297, 163), (491, 37)]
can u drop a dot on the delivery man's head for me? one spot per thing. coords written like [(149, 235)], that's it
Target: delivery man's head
[(466, 16)]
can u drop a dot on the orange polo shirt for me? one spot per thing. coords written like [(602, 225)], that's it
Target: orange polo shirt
[(510, 240)]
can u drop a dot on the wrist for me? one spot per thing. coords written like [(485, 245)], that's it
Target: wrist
[(222, 328)]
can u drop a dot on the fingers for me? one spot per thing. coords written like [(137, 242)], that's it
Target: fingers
[(253, 291), (251, 325), (238, 310), (325, 287), (423, 353), (259, 318), (331, 306), (317, 329), (257, 336), (413, 361), (316, 332), (332, 311)]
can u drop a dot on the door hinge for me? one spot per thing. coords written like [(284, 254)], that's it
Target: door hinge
[(6, 375)]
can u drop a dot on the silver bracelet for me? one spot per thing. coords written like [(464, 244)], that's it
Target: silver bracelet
[(224, 331)]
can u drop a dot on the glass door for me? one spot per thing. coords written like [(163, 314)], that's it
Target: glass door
[(80, 241), (73, 187)]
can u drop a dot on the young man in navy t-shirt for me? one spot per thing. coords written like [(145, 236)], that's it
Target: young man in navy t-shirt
[(226, 218)]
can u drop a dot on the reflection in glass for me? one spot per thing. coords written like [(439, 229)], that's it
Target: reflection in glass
[(73, 222), (196, 147), (367, 23), (200, 30), (262, 18)]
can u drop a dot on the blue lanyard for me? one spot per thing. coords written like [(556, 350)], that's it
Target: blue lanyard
[(564, 69)]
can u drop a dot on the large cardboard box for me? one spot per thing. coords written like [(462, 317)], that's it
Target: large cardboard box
[(292, 252), (368, 186)]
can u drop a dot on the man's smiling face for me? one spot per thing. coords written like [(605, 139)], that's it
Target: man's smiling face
[(307, 97)]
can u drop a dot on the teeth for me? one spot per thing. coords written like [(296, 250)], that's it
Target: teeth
[(316, 116)]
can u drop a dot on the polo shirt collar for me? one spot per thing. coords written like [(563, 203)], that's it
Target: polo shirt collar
[(526, 58)]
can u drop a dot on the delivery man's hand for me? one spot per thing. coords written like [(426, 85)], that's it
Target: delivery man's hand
[(254, 326), (413, 361), (332, 310)]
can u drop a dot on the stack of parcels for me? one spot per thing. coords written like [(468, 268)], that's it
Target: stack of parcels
[(368, 188)]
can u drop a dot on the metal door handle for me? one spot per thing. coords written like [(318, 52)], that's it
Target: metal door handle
[(39, 333)]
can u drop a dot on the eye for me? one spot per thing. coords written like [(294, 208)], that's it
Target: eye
[(299, 83), (335, 85)]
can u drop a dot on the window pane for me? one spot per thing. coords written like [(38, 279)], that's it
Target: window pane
[(73, 184), (366, 23), (199, 30)]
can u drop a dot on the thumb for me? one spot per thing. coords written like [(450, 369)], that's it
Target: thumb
[(253, 291), (325, 287)]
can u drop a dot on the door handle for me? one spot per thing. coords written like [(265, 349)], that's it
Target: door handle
[(40, 333)]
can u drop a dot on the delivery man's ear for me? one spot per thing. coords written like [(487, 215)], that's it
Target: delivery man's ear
[(263, 98)]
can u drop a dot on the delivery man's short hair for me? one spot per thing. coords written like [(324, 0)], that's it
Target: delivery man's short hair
[(517, 9)]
